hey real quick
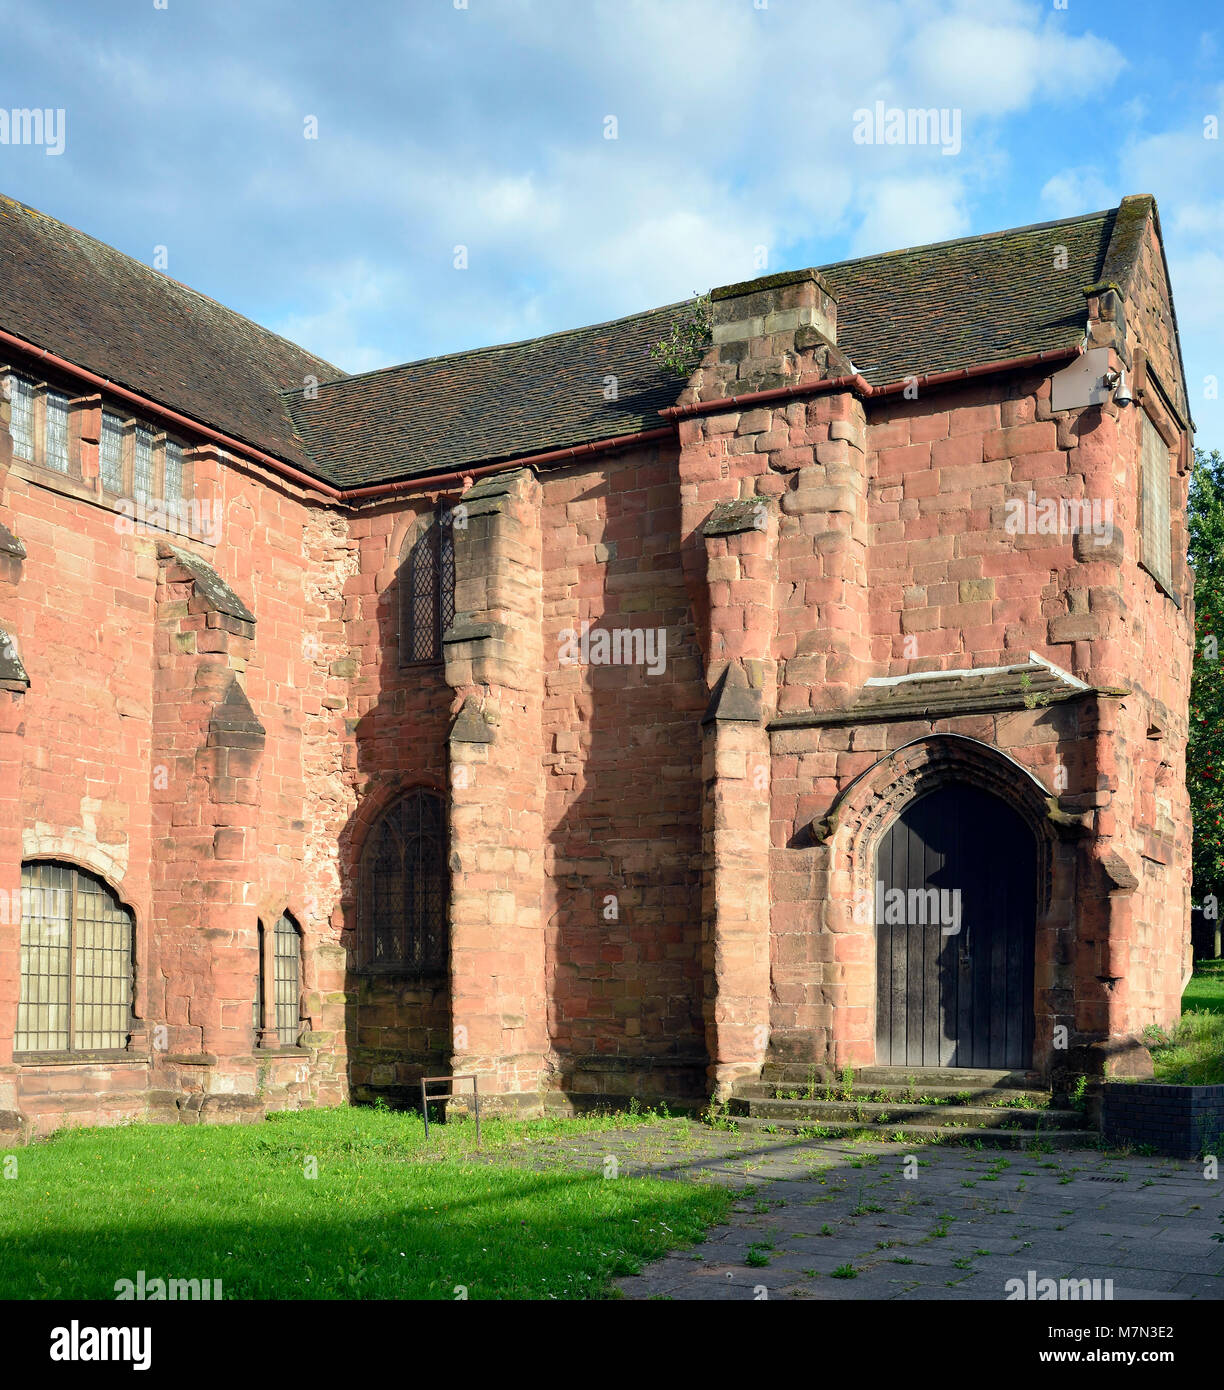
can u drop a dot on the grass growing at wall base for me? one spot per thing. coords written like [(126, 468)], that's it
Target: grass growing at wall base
[(1193, 1055), (388, 1216)]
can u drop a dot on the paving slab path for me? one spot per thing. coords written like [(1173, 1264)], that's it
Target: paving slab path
[(822, 1219)]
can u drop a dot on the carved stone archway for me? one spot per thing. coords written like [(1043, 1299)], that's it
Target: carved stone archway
[(857, 821)]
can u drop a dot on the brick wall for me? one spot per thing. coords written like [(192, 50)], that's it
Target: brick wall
[(1182, 1121)]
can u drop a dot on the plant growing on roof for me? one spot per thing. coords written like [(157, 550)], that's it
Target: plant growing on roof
[(687, 339)]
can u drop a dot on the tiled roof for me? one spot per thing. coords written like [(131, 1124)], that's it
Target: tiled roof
[(928, 309), (490, 404), (980, 299), (83, 300)]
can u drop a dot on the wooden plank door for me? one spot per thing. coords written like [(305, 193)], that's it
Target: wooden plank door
[(955, 925)]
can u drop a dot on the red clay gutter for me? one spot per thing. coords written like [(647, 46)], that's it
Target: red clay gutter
[(859, 384)]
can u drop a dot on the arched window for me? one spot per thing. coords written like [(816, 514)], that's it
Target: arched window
[(76, 963), (403, 889), (427, 590), (261, 986), (286, 981)]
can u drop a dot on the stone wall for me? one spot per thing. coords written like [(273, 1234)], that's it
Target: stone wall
[(182, 738), (653, 854), (909, 531), (621, 753), (396, 718)]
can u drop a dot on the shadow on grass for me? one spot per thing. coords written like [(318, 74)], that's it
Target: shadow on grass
[(493, 1232)]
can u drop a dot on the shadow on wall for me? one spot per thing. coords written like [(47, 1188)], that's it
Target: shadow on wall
[(397, 1018), (622, 762), (622, 759)]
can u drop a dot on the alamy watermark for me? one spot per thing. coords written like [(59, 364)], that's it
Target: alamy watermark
[(1061, 516), (142, 516), (1047, 1290), (141, 1289), (910, 907), (44, 126), (911, 125), (77, 1343), (35, 904), (618, 646)]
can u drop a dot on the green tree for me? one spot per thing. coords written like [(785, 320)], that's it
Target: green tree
[(1205, 753)]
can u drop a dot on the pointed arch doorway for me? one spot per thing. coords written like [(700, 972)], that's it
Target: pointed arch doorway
[(955, 915)]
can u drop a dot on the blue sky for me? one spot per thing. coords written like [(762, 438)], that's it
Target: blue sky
[(485, 127)]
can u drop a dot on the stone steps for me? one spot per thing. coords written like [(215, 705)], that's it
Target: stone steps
[(954, 1078), (872, 1114), (948, 1104), (914, 1134), (895, 1094)]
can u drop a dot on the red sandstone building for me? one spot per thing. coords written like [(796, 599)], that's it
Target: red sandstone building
[(531, 712)]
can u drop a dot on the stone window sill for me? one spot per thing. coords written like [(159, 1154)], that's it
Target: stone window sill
[(1161, 584), (397, 973), (69, 486), (71, 1059)]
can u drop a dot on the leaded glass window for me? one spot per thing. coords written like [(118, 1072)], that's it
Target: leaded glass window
[(56, 431), (427, 591), (142, 463), (173, 489), (21, 423), (404, 888), (76, 963), (287, 988), (1157, 558), (257, 1003), (110, 453)]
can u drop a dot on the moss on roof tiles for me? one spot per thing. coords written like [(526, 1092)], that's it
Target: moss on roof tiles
[(491, 404)]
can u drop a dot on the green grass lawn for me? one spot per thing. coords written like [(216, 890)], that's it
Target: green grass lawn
[(1194, 1053), (388, 1216), (1206, 987)]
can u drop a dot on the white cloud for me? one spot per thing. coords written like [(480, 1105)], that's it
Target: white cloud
[(903, 212), (341, 294), (1000, 63), (1074, 191), (485, 127), (1199, 282)]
